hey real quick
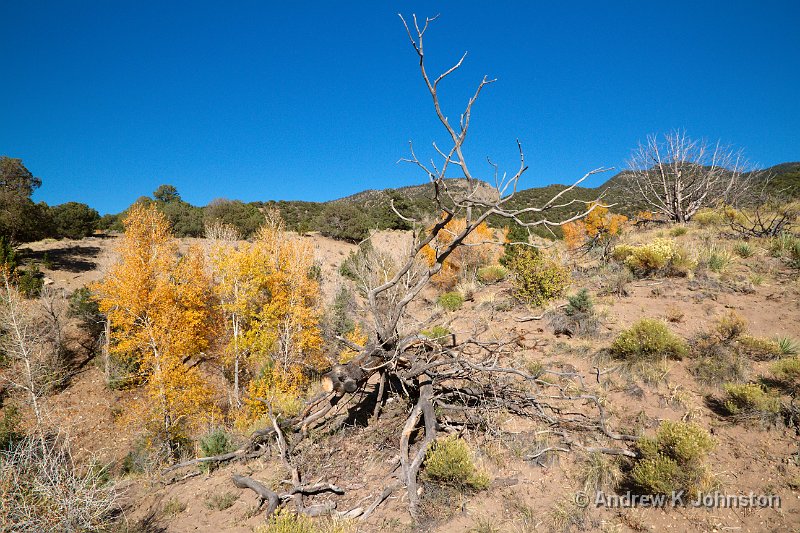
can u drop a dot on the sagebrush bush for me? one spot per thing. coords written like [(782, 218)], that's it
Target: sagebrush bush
[(758, 348), (646, 258), (730, 326), (787, 370), (537, 278), (449, 461), (451, 301), (749, 399), (708, 217), (677, 231), (492, 274), (437, 333), (673, 460), (648, 339)]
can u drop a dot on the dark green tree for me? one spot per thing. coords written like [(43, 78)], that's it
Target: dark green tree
[(74, 220), (166, 194)]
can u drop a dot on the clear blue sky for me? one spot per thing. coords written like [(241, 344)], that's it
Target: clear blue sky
[(316, 100)]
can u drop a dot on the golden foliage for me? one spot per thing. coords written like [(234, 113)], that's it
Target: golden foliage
[(597, 228), (464, 261), (270, 300), (159, 306)]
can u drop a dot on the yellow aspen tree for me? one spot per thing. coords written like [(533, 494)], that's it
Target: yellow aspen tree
[(159, 306), (283, 337)]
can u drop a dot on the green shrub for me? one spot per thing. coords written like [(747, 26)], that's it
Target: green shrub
[(492, 274), (648, 339), (708, 217), (673, 460), (437, 333), (749, 399), (787, 370), (759, 349), (74, 220), (451, 301), (10, 432), (537, 278), (215, 442), (31, 281), (677, 231), (448, 461), (743, 250), (581, 302), (8, 255)]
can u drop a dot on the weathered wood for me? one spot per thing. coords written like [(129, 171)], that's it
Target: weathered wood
[(266, 495)]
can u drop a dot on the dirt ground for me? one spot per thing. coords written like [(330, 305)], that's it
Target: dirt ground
[(524, 496)]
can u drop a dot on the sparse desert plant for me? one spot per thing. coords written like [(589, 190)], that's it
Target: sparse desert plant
[(491, 274), (749, 400), (438, 334), (743, 250), (648, 339), (173, 507), (674, 314), (581, 302), (758, 348), (537, 278), (451, 301), (709, 217), (673, 460), (220, 502), (718, 259), (41, 489), (577, 318), (10, 427), (730, 326), (617, 281), (787, 346), (787, 370), (449, 461), (677, 231), (600, 472), (757, 279)]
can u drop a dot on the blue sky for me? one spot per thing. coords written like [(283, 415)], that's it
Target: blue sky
[(316, 100)]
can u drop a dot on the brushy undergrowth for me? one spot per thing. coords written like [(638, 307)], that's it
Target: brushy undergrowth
[(673, 460), (750, 400), (537, 278), (451, 301), (492, 274), (648, 339), (449, 461)]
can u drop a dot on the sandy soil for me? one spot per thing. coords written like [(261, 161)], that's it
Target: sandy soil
[(524, 496)]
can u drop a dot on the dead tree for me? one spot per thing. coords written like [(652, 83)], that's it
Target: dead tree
[(676, 176), (445, 386)]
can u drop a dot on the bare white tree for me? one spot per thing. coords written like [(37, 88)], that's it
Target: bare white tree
[(676, 175), (33, 343), (460, 379)]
